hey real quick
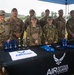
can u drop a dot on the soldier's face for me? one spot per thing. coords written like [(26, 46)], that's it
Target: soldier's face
[(49, 21), (72, 14), (34, 21), (14, 13), (32, 13), (47, 13), (61, 14), (2, 17)]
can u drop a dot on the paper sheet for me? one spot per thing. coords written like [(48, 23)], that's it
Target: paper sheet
[(17, 55)]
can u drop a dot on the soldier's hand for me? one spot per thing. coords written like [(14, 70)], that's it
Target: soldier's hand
[(55, 41), (46, 42), (36, 42), (18, 35), (8, 40)]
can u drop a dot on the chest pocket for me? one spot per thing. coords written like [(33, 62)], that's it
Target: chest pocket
[(35, 33), (60, 24), (46, 30)]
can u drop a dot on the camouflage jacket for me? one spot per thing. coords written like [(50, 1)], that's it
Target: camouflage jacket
[(60, 24), (28, 22), (70, 28), (4, 33), (34, 33), (50, 33), (16, 26), (43, 21)]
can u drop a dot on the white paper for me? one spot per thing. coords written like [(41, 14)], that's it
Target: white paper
[(17, 55)]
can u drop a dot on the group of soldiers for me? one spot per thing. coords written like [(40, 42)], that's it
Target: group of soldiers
[(48, 30), (44, 31)]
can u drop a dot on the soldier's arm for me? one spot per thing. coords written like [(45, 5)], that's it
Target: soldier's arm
[(40, 34), (44, 34), (42, 22), (28, 35), (64, 29), (22, 27), (56, 36), (55, 23), (26, 23), (9, 23), (7, 33), (68, 28)]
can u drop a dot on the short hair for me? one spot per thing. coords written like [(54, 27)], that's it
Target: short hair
[(72, 11), (32, 11), (14, 9), (2, 12), (60, 11), (47, 10), (49, 18), (33, 17)]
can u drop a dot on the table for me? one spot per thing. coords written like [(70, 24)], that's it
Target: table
[(45, 63)]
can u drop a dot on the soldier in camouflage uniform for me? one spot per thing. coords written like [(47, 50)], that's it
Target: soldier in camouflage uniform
[(60, 24), (70, 27), (50, 32), (4, 29), (4, 34), (43, 20), (28, 20), (34, 33), (16, 25)]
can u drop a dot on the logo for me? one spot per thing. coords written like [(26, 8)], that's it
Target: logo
[(20, 53), (59, 69), (58, 61)]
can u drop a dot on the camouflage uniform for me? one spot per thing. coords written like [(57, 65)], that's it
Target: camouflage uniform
[(50, 33), (34, 33), (4, 31), (28, 22), (60, 25), (70, 28), (43, 21), (4, 35), (16, 26)]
